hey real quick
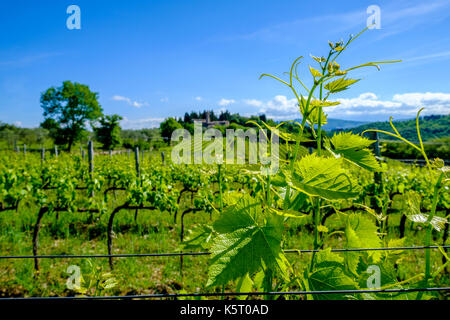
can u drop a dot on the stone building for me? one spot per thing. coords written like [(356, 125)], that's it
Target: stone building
[(207, 123)]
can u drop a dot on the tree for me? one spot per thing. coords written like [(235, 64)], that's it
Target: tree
[(187, 118), (66, 111), (108, 133), (168, 126), (225, 115)]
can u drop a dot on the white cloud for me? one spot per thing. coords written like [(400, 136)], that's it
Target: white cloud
[(198, 98), (406, 104), (165, 99), (438, 55), (141, 123), (278, 108), (219, 111), (365, 100), (121, 98), (253, 102), (226, 102), (130, 102), (138, 104), (427, 98), (366, 106), (18, 123)]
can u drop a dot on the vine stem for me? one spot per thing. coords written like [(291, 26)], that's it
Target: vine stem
[(220, 187), (317, 217), (437, 186)]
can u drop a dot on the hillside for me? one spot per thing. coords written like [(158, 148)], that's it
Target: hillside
[(431, 127), (336, 124), (339, 124)]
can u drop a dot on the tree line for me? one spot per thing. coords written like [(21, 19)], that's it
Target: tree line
[(71, 109)]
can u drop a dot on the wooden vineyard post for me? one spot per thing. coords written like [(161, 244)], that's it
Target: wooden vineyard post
[(373, 135), (162, 158), (136, 157), (138, 173), (42, 154), (110, 154), (56, 151), (24, 149), (378, 177), (91, 160)]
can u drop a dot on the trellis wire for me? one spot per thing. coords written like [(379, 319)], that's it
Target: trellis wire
[(207, 253), (223, 294)]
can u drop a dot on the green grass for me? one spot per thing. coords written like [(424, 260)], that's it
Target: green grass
[(153, 232)]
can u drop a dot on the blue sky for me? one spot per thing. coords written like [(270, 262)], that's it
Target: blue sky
[(152, 59)]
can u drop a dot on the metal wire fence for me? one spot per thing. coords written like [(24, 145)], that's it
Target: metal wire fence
[(143, 255), (226, 294), (233, 294)]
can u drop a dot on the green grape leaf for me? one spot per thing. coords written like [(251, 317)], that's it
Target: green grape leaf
[(313, 117), (244, 284), (199, 238), (323, 177), (313, 111), (323, 103), (354, 149), (438, 223), (315, 73), (361, 232), (321, 59), (340, 84), (232, 197), (246, 242), (395, 243), (330, 275), (414, 214)]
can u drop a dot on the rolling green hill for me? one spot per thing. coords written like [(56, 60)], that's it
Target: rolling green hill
[(431, 127)]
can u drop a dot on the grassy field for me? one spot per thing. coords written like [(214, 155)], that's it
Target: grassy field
[(153, 232)]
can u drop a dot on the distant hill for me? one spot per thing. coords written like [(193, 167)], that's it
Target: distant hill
[(339, 124), (431, 127), (336, 124)]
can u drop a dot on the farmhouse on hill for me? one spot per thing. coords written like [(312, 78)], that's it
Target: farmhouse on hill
[(207, 123)]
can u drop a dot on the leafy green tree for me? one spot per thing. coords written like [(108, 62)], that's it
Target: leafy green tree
[(108, 133), (66, 111), (168, 126), (189, 127)]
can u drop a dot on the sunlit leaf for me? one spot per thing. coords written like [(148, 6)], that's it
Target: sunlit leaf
[(340, 84), (415, 215), (361, 232), (199, 238), (354, 149), (330, 275), (323, 177), (244, 284), (315, 73), (245, 243)]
